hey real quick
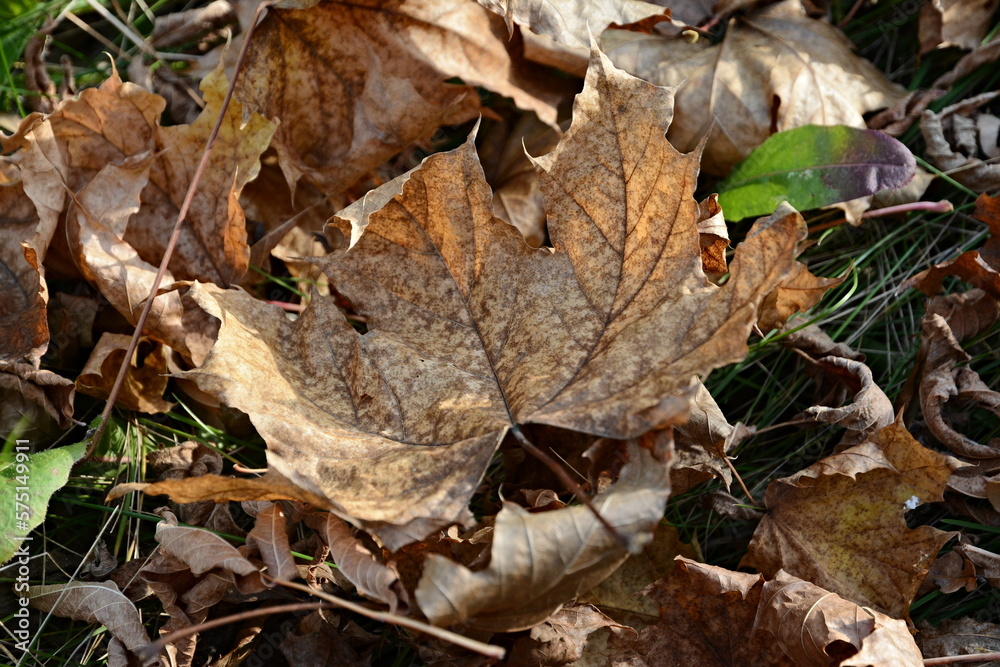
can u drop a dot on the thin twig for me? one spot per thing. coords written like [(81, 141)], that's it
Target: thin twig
[(942, 206), (148, 305), (489, 650), (564, 477), (150, 650), (739, 479), (954, 659)]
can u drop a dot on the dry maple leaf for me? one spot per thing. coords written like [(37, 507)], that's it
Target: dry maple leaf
[(22, 288), (839, 523), (775, 70), (471, 331), (376, 80)]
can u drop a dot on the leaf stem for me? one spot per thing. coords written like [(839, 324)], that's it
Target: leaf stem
[(181, 215)]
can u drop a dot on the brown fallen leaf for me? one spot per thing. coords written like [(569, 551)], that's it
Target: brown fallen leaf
[(378, 70), (471, 332), (539, 562), (559, 640), (776, 69), (24, 390), (954, 143), (144, 382), (870, 410), (987, 563), (961, 23), (959, 636), (980, 268), (100, 603), (840, 522), (22, 287), (816, 627), (517, 197), (945, 374), (797, 293), (318, 642), (372, 578), (714, 235), (706, 618), (269, 538), (949, 573)]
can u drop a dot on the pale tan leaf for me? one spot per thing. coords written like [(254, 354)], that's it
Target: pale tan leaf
[(269, 537), (572, 22), (377, 71), (539, 562), (100, 603), (954, 143), (840, 522), (470, 331), (372, 578), (775, 70), (961, 23), (816, 627), (869, 410), (201, 551)]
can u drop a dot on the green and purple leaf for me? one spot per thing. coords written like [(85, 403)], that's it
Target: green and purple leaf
[(813, 166)]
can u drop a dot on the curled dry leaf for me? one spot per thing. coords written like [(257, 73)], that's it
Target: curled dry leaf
[(269, 537), (946, 376), (179, 27), (840, 522), (816, 627), (539, 562), (377, 72), (470, 331), (100, 603), (775, 70), (980, 268), (202, 552), (22, 288), (987, 563), (955, 143), (703, 443), (144, 383), (372, 578), (869, 410)]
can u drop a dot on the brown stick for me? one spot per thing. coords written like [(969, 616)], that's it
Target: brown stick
[(181, 215), (954, 659)]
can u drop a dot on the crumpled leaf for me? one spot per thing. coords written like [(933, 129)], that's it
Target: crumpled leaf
[(100, 603), (797, 293), (961, 23), (813, 166), (946, 376), (372, 578), (470, 331), (559, 640), (144, 384), (22, 287), (870, 410), (815, 627), (706, 618), (377, 71), (29, 393), (775, 70), (539, 562), (980, 268), (987, 563), (954, 143), (840, 522)]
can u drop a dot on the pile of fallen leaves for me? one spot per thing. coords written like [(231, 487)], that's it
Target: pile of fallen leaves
[(512, 327)]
